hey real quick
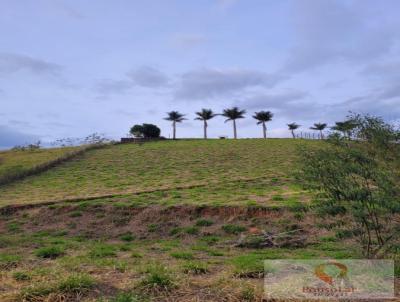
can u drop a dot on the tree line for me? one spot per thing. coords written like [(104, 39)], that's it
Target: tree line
[(262, 117)]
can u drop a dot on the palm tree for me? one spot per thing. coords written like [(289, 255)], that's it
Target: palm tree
[(319, 127), (345, 127), (205, 115), (174, 117), (292, 127), (263, 117), (232, 114)]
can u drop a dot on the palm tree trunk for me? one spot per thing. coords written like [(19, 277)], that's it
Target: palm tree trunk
[(234, 129), (264, 130), (322, 136), (174, 130), (205, 129), (293, 133)]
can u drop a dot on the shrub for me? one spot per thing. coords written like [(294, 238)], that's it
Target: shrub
[(233, 229), (50, 252)]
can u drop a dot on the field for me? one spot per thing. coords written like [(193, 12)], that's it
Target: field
[(162, 221)]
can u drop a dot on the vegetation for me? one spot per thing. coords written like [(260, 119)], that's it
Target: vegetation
[(205, 115), (174, 117), (292, 127), (145, 131), (263, 117), (232, 114), (319, 127), (360, 179)]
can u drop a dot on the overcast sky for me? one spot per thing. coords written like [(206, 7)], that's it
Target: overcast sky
[(71, 68)]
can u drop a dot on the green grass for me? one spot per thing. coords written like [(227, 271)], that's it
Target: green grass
[(122, 169), (12, 160), (50, 252)]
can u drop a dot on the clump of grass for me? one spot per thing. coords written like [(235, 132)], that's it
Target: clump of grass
[(102, 250), (157, 278), (7, 261), (183, 255), (14, 227), (175, 231), (193, 230), (153, 227), (77, 283), (248, 266), (278, 198), (210, 239), (195, 268), (204, 222), (21, 276), (127, 237), (233, 228), (51, 252)]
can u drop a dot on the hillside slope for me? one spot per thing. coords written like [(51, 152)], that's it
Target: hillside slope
[(168, 165)]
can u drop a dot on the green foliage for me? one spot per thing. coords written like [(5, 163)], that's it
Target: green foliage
[(50, 252), (77, 283), (360, 179), (195, 268), (193, 230), (233, 228), (204, 222), (157, 277), (102, 250), (127, 237), (21, 276), (146, 131)]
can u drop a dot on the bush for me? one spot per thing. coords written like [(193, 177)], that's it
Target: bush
[(359, 179), (51, 252)]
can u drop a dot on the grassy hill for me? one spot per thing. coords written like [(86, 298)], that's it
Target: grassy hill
[(162, 221), (125, 169)]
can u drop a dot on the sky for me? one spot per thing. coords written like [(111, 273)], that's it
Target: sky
[(76, 67)]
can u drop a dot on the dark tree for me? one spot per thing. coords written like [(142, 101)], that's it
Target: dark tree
[(319, 127), (292, 127), (146, 131), (232, 114), (205, 115), (263, 117), (174, 117)]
